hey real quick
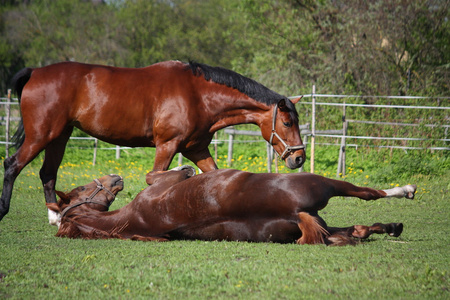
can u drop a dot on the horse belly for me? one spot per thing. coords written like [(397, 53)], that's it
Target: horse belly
[(262, 230)]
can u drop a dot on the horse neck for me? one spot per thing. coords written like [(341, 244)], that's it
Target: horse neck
[(95, 224), (235, 108)]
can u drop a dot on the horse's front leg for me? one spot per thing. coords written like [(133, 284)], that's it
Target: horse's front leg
[(165, 153), (54, 153), (202, 159)]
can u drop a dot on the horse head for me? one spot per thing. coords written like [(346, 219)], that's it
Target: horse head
[(285, 133), (99, 194)]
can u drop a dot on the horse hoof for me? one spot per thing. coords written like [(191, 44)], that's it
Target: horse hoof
[(395, 229), (410, 191), (185, 167)]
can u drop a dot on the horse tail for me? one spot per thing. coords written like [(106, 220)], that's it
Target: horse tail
[(18, 82), (312, 231)]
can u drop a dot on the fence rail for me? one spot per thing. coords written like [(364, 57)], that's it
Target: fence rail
[(308, 131)]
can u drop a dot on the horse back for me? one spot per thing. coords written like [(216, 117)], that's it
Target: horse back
[(95, 97)]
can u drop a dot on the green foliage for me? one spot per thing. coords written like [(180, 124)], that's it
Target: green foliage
[(287, 45), (412, 166)]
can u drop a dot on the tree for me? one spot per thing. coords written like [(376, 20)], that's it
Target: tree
[(378, 47)]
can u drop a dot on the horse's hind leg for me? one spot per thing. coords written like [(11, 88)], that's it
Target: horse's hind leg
[(54, 153), (347, 189), (13, 166)]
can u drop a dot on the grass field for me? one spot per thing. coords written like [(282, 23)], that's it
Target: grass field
[(36, 265)]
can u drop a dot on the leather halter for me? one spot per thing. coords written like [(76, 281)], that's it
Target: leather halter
[(287, 148), (90, 199)]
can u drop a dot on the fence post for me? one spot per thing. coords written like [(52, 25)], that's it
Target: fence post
[(8, 117), (313, 127), (276, 163), (341, 163), (269, 150), (95, 152), (117, 152), (305, 142), (215, 146), (230, 149), (180, 159)]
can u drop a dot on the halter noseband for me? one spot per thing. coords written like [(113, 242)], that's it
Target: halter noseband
[(89, 199), (287, 148)]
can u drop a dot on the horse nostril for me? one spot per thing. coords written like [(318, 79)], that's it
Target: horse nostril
[(299, 160)]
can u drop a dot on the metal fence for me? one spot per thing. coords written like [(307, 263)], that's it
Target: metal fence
[(312, 136)]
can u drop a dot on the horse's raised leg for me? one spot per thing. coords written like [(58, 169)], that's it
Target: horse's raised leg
[(342, 188), (54, 153)]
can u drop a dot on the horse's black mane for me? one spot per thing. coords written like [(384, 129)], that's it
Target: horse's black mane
[(250, 87), (234, 80)]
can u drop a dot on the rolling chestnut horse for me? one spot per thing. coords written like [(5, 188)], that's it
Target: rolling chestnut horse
[(173, 106), (219, 205)]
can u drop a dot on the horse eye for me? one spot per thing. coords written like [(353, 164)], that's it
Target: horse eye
[(82, 188), (287, 124)]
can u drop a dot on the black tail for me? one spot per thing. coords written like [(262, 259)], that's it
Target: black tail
[(18, 82)]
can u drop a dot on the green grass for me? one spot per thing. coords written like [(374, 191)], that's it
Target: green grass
[(36, 265)]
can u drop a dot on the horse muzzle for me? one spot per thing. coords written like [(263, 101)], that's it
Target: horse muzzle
[(295, 160)]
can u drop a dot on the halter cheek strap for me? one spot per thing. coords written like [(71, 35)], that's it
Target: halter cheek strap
[(90, 199), (287, 148)]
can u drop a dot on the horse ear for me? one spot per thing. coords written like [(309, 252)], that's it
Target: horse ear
[(54, 207), (282, 105), (63, 197), (295, 100)]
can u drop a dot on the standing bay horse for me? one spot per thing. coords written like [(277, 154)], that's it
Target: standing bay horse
[(173, 106), (219, 205)]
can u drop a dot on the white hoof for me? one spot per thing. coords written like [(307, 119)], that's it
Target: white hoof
[(54, 218), (406, 191), (410, 190)]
